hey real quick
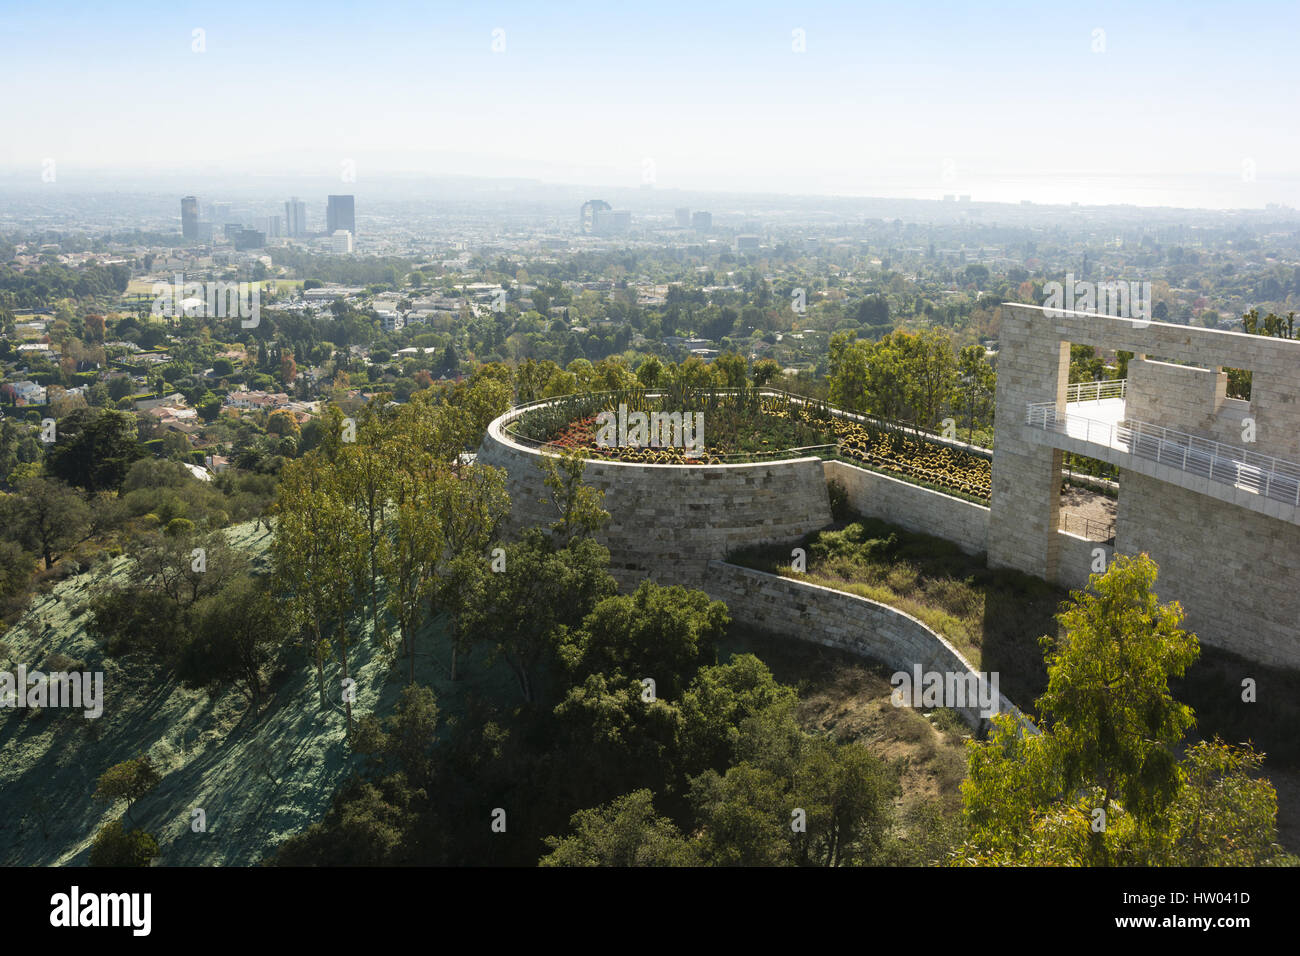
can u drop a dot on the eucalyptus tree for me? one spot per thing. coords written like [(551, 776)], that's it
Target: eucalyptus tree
[(319, 553), (471, 506), (1110, 779), (365, 471), (412, 541), (446, 511)]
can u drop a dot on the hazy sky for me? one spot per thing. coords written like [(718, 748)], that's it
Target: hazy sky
[(1187, 103)]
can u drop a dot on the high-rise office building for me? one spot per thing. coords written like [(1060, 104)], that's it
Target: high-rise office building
[(683, 218), (702, 221), (222, 213), (190, 217), (272, 227), (295, 217), (340, 213), (246, 239), (589, 214), (341, 242)]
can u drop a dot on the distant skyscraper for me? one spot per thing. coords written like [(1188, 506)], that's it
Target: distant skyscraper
[(295, 217), (683, 218), (340, 213), (190, 217), (702, 221), (272, 227), (589, 214), (341, 242), (221, 213)]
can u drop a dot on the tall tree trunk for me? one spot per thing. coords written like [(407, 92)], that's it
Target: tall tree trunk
[(347, 703), (374, 595), (320, 668), (320, 678)]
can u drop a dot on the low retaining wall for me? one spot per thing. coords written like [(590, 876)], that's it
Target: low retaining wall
[(833, 618), (910, 506)]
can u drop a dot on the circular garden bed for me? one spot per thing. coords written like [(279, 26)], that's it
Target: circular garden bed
[(746, 425)]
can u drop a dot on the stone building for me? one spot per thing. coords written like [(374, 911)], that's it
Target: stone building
[(1209, 485)]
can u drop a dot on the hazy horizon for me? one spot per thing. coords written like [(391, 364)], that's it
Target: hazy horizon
[(1173, 105)]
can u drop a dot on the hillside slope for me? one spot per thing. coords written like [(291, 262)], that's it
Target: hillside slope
[(256, 780)]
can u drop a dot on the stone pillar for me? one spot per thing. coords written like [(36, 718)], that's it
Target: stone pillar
[(1033, 366)]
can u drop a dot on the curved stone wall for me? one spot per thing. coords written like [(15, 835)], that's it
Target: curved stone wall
[(875, 631), (667, 522), (675, 524)]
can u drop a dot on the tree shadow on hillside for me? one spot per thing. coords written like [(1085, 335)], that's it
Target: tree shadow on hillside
[(1018, 611)]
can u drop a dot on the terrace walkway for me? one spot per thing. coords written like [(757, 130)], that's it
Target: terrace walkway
[(1095, 414)]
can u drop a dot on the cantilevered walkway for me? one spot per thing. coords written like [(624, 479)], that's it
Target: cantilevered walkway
[(1094, 424)]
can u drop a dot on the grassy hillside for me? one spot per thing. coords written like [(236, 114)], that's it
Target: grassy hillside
[(258, 780)]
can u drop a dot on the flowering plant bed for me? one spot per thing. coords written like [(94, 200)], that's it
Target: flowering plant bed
[(743, 424)]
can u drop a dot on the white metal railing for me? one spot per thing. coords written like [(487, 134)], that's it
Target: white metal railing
[(1264, 475), (1096, 391)]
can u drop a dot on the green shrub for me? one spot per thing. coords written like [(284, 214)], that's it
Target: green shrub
[(63, 663), (114, 845), (134, 619), (839, 496), (179, 528), (948, 721)]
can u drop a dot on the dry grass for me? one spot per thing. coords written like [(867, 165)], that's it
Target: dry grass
[(994, 617), (843, 695)]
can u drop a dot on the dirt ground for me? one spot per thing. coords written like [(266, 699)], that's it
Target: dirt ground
[(1081, 503)]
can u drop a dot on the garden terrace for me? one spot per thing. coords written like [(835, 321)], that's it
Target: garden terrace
[(752, 425)]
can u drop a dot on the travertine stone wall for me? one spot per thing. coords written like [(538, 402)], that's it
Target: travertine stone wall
[(1235, 572), (813, 613), (1274, 363), (913, 507), (1185, 398), (668, 521), (1232, 558), (1075, 559), (1033, 366)]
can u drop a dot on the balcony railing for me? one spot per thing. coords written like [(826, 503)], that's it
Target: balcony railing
[(1265, 475), (1096, 391)]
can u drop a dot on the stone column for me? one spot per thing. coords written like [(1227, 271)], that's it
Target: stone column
[(1033, 366)]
